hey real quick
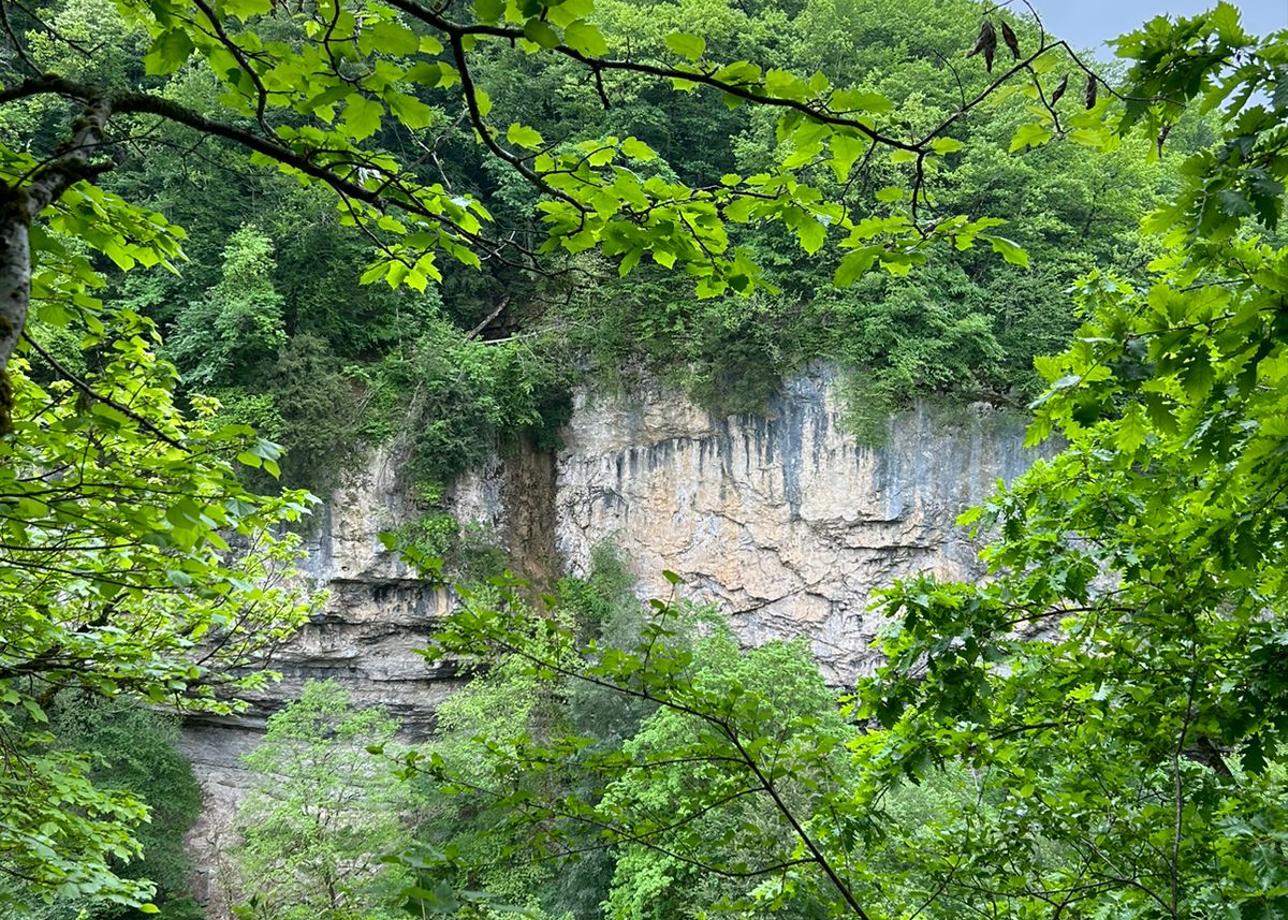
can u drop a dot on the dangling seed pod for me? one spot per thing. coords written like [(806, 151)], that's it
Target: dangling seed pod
[(1059, 90), (1008, 36), (986, 44), (1162, 137), (1091, 91)]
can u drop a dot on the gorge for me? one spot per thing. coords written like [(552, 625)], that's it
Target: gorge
[(783, 520)]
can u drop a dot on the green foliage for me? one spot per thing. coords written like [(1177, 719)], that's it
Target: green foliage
[(132, 750), (742, 196), (459, 399), (506, 701), (467, 553), (318, 411), (965, 323), (119, 582), (322, 813), (1142, 716), (679, 789), (237, 326), (692, 161), (1101, 723), (737, 825), (604, 602), (1095, 730), (136, 751)]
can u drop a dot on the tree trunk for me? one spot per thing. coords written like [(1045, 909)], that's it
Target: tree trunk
[(15, 287), (19, 206)]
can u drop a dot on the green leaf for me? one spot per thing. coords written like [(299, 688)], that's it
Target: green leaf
[(535, 30), (1132, 429), (565, 12), (390, 37), (687, 45), (783, 84), (426, 73), (1160, 414), (184, 514), (636, 149), (855, 264), (170, 50), (34, 710), (1095, 138), (409, 110), (361, 116), (848, 101), (586, 38), (846, 150), (523, 136), (812, 234), (1007, 249), (1030, 135)]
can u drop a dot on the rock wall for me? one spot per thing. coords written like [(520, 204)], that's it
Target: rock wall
[(377, 614), (781, 518)]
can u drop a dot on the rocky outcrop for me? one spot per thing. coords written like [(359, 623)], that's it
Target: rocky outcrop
[(782, 518), (377, 614)]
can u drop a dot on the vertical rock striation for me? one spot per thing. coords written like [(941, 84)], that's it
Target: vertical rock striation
[(782, 518)]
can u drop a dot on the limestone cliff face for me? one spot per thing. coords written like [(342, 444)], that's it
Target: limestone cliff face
[(781, 518), (377, 615)]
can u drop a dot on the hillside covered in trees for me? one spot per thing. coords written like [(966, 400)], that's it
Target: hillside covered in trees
[(243, 243), (268, 315)]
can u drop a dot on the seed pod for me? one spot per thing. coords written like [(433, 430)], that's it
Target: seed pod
[(1059, 90), (1162, 137), (986, 44), (1091, 91), (1008, 36)]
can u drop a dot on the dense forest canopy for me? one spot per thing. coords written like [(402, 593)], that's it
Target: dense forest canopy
[(267, 315), (229, 228)]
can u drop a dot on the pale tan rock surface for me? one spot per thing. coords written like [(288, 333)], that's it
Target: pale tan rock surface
[(782, 519)]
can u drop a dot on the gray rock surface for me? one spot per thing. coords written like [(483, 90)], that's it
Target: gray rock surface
[(366, 637), (782, 519)]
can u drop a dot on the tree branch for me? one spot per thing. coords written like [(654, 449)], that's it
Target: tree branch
[(93, 394)]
